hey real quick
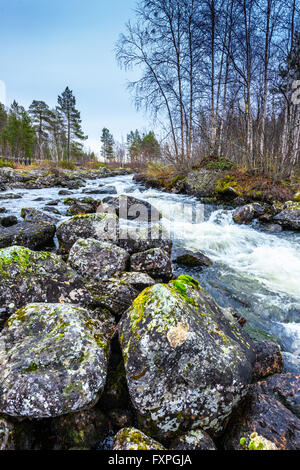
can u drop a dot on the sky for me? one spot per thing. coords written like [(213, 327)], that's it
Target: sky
[(47, 45)]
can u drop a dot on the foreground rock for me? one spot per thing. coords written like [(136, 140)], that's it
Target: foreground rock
[(97, 259), (53, 361), (31, 235), (102, 227), (154, 262), (268, 359), (130, 208), (194, 440), (186, 365), (289, 217), (133, 439), (27, 276), (284, 388), (266, 416)]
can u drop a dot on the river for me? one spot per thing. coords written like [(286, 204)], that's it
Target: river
[(254, 271)]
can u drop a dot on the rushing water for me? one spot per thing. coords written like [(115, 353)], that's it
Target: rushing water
[(254, 271)]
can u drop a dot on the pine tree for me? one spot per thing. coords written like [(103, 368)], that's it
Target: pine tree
[(41, 118), (71, 117), (134, 145), (107, 141)]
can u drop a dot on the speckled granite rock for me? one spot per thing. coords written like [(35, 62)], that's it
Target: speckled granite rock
[(194, 440), (34, 215), (289, 217), (186, 365), (268, 359), (53, 361), (133, 439), (97, 259), (33, 235), (155, 262), (130, 208), (284, 388)]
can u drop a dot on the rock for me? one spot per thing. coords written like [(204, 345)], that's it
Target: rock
[(34, 215), (187, 366), (133, 439), (51, 209), (2, 210), (10, 196), (134, 240), (31, 235), (96, 259), (265, 416), (274, 228), (289, 217), (100, 227), (53, 361), (120, 418), (16, 435), (105, 190), (82, 430), (284, 388), (268, 359), (111, 293), (194, 440), (130, 208), (137, 280), (154, 262), (8, 221), (245, 214), (202, 182), (64, 192), (190, 259), (54, 202), (27, 276), (80, 208)]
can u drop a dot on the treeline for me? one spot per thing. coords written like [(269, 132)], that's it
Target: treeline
[(222, 76), (138, 149), (41, 133)]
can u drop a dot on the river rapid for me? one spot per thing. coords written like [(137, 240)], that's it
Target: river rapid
[(254, 271)]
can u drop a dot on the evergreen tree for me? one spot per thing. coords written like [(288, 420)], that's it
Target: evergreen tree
[(134, 145), (107, 140), (150, 148), (71, 118), (41, 118)]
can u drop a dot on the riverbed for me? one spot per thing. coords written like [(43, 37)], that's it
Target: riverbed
[(254, 271)]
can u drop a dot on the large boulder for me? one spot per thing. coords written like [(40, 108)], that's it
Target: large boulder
[(80, 207), (102, 227), (27, 276), (133, 439), (187, 366), (31, 235), (262, 414), (154, 262), (53, 360), (130, 208), (34, 215), (289, 217), (97, 259), (245, 214), (136, 239)]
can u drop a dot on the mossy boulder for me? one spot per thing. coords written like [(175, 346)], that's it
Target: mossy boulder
[(102, 227), (34, 215), (155, 262), (28, 276), (133, 439), (97, 259), (35, 235), (289, 217), (187, 366), (79, 207), (202, 182), (53, 360), (194, 440)]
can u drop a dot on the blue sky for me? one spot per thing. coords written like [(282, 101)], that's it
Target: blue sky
[(47, 45)]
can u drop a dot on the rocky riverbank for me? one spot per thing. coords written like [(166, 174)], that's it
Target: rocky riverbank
[(101, 345)]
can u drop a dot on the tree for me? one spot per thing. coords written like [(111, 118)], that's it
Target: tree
[(42, 118), (71, 120), (107, 140)]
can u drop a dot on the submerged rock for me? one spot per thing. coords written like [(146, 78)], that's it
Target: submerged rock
[(186, 365), (31, 235), (100, 227), (27, 276), (97, 259), (133, 439), (266, 416), (53, 361), (154, 262), (194, 440), (268, 359)]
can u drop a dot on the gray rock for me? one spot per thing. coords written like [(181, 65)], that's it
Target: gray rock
[(80, 207), (96, 259), (100, 227), (187, 366), (133, 439), (130, 208), (245, 214), (194, 440), (191, 259), (34, 215), (135, 279), (31, 235), (154, 262), (268, 359), (289, 217), (53, 361), (137, 239)]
